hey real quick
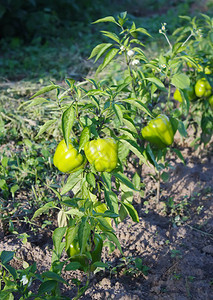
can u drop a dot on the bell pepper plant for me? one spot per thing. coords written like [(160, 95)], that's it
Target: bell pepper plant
[(106, 122)]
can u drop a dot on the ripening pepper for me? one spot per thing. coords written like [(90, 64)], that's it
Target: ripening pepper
[(159, 131), (68, 160), (203, 88), (211, 101), (101, 208), (190, 93), (93, 247), (102, 153), (206, 69)]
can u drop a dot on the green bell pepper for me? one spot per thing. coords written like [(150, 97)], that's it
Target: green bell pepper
[(159, 131)]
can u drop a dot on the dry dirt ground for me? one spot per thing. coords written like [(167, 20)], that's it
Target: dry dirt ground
[(175, 242)]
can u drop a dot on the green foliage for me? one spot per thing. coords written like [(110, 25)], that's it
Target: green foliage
[(90, 201)]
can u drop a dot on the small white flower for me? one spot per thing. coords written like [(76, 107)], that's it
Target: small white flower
[(122, 48), (135, 62), (160, 31), (163, 66), (164, 24), (163, 27), (130, 53), (25, 280)]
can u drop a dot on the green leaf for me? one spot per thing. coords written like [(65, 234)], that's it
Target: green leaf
[(62, 218), (128, 134), (131, 211), (91, 179), (112, 200), (70, 82), (75, 265), (177, 48), (186, 102), (103, 222), (53, 276), (7, 294), (68, 118), (123, 86), (98, 92), (72, 233), (179, 154), (137, 103), (111, 35), (72, 180), (4, 161), (112, 237), (99, 50), (123, 213), (13, 189), (58, 235), (47, 286), (133, 146), (54, 191), (106, 19), (182, 129), (130, 124), (11, 270), (3, 184), (118, 111), (186, 18), (165, 176), (141, 30), (190, 60), (37, 101), (43, 209), (174, 123), (99, 264), (46, 126), (6, 256), (181, 81), (108, 58), (136, 181), (157, 82), (123, 151), (152, 156), (126, 195), (109, 214), (83, 234), (125, 180), (84, 138), (74, 212), (46, 89), (107, 179)]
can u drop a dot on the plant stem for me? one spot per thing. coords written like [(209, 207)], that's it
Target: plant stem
[(83, 289), (158, 187), (187, 39), (170, 45), (130, 73)]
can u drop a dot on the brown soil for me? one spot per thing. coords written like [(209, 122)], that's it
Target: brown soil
[(175, 243)]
